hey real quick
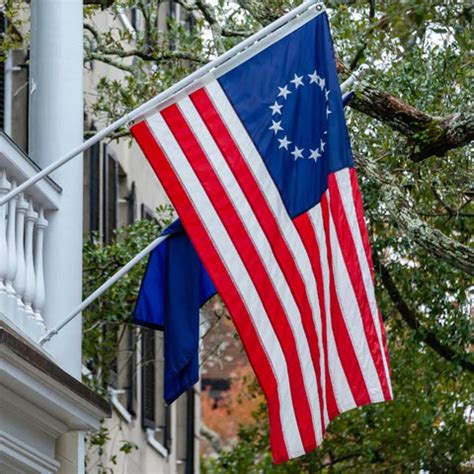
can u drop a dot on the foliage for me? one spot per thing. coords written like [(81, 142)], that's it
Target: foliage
[(106, 320), (417, 52), (425, 427)]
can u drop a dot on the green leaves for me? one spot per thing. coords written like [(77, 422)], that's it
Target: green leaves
[(104, 322)]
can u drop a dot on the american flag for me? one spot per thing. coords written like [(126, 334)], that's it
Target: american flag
[(257, 162)]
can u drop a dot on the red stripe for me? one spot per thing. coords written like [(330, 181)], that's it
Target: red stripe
[(343, 340), (233, 300), (270, 226), (349, 252), (357, 198), (306, 231), (252, 262)]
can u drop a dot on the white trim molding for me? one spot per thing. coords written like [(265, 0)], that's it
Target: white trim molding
[(152, 441), (18, 456)]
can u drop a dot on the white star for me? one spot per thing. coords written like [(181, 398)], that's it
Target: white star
[(327, 94), (276, 108), (284, 142), (297, 152), (276, 127), (322, 83), (313, 78), (314, 154), (297, 81), (328, 112), (322, 145), (284, 92)]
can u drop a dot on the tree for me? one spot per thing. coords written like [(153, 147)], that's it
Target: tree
[(411, 124)]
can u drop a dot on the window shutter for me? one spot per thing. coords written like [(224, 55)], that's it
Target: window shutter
[(190, 431), (111, 184), (132, 204), (132, 372), (148, 378)]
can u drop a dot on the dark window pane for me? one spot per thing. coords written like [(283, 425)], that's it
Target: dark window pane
[(110, 196), (148, 378)]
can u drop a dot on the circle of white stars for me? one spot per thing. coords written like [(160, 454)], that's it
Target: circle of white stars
[(278, 105)]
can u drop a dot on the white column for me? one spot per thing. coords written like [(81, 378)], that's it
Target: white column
[(56, 127), (40, 296), (30, 279), (11, 255), (4, 188), (20, 277)]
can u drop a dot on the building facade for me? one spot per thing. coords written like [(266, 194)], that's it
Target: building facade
[(117, 187)]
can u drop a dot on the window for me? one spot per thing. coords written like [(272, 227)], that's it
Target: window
[(131, 205), (155, 414), (110, 194), (127, 371), (163, 412), (148, 378), (133, 18), (185, 431), (91, 188), (190, 400), (147, 213)]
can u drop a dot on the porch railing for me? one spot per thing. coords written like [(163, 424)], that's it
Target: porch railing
[(23, 230)]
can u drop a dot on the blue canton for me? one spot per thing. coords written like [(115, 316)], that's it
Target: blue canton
[(288, 99)]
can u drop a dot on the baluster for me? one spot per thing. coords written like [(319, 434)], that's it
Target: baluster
[(11, 256), (20, 278), (30, 279), (4, 188), (40, 293)]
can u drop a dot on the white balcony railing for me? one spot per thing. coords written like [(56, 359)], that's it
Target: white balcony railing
[(23, 228)]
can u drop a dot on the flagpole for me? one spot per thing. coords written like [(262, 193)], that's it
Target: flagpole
[(102, 289), (356, 75), (167, 94)]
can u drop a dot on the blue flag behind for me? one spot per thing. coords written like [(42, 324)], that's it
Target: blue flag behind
[(174, 287)]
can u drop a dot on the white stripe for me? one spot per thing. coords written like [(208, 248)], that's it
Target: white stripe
[(256, 234), (242, 282), (345, 189), (352, 316), (342, 391), (273, 198)]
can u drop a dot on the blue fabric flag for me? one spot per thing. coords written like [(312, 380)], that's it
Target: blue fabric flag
[(174, 287)]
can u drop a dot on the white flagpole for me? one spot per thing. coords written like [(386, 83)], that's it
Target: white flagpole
[(126, 268), (355, 76), (102, 289), (167, 94)]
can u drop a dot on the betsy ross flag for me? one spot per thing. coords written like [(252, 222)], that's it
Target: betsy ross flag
[(257, 162)]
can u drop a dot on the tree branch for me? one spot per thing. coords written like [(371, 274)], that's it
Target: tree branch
[(432, 240), (95, 56), (216, 30), (213, 438), (261, 12), (146, 54), (165, 54), (427, 135), (413, 320)]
